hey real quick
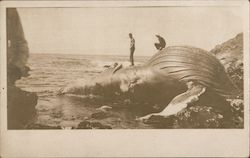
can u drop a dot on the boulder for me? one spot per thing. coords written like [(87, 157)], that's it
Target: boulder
[(20, 104)]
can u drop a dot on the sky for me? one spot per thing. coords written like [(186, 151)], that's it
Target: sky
[(105, 30)]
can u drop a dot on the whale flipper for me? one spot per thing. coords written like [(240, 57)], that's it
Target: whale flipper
[(181, 101)]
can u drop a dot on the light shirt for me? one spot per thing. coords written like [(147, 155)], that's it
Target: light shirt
[(132, 43)]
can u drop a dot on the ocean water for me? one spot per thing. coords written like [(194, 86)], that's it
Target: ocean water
[(50, 72)]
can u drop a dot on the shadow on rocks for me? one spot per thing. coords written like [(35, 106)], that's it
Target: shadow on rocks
[(92, 125)]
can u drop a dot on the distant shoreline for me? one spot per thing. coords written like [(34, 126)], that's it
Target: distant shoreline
[(75, 54)]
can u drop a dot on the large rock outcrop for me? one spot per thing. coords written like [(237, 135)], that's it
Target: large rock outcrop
[(230, 54), (20, 104), (230, 114)]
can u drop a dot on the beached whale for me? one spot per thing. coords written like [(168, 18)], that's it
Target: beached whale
[(176, 75)]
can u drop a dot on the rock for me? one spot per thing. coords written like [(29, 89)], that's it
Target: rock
[(230, 50), (230, 53), (21, 104), (99, 115), (21, 107), (17, 50), (160, 122), (199, 116), (41, 126), (84, 125), (68, 124), (92, 125)]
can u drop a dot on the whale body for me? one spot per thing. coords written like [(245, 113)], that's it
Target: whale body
[(175, 77), (170, 68)]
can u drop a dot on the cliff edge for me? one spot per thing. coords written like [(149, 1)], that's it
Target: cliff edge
[(20, 104)]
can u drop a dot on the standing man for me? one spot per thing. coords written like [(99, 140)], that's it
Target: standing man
[(161, 43), (132, 48)]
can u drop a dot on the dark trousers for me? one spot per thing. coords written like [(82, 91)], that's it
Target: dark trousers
[(158, 46), (132, 50)]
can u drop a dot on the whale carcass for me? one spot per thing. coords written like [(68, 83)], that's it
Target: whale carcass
[(176, 75)]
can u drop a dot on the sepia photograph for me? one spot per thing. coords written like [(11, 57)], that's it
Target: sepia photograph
[(125, 68), (124, 78)]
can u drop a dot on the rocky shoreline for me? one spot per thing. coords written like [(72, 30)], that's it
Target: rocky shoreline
[(21, 104)]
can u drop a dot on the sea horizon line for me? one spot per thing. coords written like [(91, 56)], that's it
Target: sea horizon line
[(77, 54)]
